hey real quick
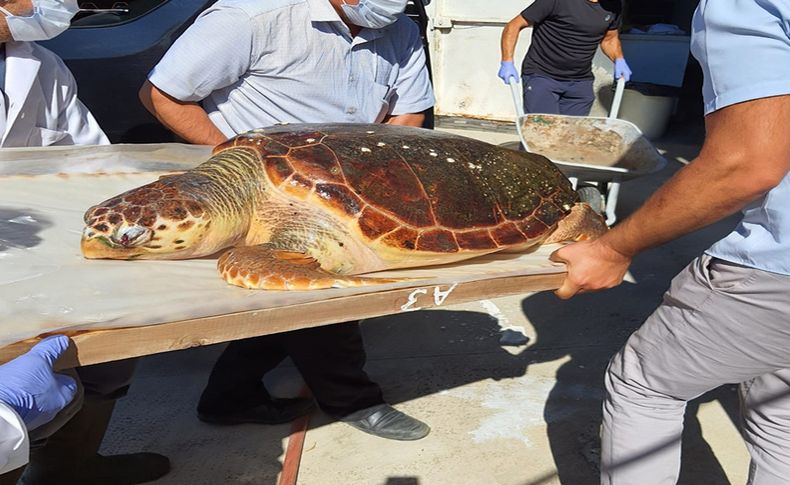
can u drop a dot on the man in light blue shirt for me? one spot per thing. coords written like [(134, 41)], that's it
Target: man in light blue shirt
[(726, 317), (247, 64), (286, 61)]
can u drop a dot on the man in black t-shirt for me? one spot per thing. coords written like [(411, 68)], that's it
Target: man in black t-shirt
[(557, 70)]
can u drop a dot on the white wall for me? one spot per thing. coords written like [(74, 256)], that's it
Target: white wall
[(464, 37)]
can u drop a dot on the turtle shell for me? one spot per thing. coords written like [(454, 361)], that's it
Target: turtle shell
[(416, 189)]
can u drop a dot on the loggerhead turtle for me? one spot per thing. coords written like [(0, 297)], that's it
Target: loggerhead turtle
[(310, 206)]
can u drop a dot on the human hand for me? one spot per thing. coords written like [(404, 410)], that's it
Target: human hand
[(30, 386), (591, 265), (621, 69), (507, 70)]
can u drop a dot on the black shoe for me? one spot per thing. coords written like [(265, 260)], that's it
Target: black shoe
[(387, 422), (108, 470), (271, 411)]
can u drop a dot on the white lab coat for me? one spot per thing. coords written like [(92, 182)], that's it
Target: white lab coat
[(13, 440), (43, 108)]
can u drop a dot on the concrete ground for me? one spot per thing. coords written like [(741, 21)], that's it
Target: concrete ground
[(509, 415)]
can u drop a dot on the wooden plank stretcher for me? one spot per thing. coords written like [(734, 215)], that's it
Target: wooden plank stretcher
[(95, 346), (119, 309)]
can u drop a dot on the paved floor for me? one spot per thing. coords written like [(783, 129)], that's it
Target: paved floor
[(510, 415)]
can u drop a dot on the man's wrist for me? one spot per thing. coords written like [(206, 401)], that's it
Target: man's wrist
[(615, 243)]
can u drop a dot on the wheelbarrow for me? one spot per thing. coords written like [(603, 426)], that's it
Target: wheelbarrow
[(597, 154)]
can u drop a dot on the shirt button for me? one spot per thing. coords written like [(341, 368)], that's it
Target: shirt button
[(351, 110), (351, 78)]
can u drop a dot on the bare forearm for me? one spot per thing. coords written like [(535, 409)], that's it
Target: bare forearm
[(746, 154), (612, 48), (510, 37), (187, 120), (409, 119), (696, 196)]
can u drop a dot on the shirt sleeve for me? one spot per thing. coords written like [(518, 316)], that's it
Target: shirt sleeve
[(14, 448), (212, 53), (617, 21), (68, 120), (412, 89), (743, 52), (76, 120), (538, 11)]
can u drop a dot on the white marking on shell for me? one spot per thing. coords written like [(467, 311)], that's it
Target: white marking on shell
[(406, 146), (566, 207), (370, 132), (381, 144), (310, 140), (434, 154), (365, 149), (451, 160), (473, 166)]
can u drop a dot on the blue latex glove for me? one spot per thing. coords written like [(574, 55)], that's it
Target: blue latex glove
[(506, 71), (30, 386), (621, 69)]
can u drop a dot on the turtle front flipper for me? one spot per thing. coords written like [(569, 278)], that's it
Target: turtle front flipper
[(268, 268)]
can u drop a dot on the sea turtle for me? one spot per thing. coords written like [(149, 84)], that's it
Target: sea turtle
[(313, 205)]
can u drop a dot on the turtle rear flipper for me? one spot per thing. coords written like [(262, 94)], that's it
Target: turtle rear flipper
[(583, 223), (268, 268)]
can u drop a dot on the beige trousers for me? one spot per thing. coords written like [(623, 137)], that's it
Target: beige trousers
[(719, 323)]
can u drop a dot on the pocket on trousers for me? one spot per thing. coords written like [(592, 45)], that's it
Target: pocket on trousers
[(724, 276)]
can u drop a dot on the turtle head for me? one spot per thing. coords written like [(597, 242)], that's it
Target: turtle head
[(148, 223)]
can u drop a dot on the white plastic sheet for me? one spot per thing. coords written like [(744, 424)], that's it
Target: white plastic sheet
[(46, 285)]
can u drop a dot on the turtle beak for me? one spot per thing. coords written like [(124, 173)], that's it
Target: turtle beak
[(97, 246), (120, 244)]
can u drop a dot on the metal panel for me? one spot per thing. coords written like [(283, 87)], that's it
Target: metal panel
[(465, 54)]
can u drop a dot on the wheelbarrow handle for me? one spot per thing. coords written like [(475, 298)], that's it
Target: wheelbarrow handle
[(618, 98), (515, 92)]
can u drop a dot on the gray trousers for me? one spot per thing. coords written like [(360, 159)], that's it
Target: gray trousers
[(719, 323)]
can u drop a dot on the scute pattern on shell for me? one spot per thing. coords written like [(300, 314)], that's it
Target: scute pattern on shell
[(143, 207), (432, 192)]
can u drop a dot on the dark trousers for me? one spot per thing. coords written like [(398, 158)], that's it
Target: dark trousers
[(546, 95), (330, 358)]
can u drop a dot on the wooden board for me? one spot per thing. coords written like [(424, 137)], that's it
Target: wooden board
[(95, 346)]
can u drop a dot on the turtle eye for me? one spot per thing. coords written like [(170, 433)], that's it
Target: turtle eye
[(130, 236)]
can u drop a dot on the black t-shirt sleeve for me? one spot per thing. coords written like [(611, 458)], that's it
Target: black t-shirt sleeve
[(538, 11), (617, 21)]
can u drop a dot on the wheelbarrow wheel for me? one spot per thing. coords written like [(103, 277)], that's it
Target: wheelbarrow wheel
[(591, 195)]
